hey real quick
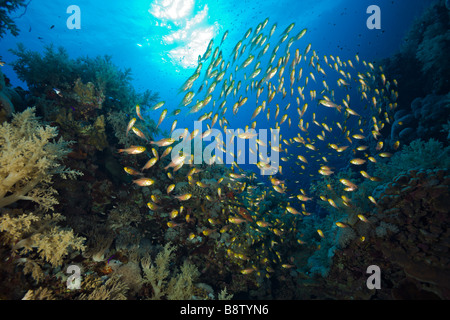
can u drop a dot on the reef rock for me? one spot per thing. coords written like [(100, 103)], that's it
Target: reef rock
[(5, 97), (426, 119)]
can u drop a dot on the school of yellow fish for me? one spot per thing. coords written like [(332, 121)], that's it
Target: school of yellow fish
[(264, 68)]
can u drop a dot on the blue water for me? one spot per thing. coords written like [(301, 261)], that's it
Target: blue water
[(160, 42), (118, 28)]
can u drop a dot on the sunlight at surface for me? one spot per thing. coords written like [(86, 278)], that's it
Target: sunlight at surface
[(171, 9), (191, 35)]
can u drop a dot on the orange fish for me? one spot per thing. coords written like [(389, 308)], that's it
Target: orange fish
[(132, 150)]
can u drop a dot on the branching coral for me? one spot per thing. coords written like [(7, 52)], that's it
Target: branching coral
[(29, 158), (96, 81), (428, 41), (178, 286), (37, 239), (112, 289), (418, 154), (6, 22)]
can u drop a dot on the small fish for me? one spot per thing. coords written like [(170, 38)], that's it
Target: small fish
[(139, 133), (247, 271), (320, 232), (247, 135), (365, 174), (150, 163), (166, 152), (172, 224), (372, 199), (152, 206), (131, 171), (357, 161), (184, 197), (348, 183), (57, 91), (201, 184), (138, 112), (130, 125), (332, 203), (158, 105), (188, 98), (396, 145), (163, 142), (263, 224), (132, 150), (292, 210), (176, 161), (278, 189), (302, 197), (330, 104), (236, 220), (161, 117), (208, 232), (385, 155), (170, 188), (362, 218), (358, 136), (173, 214), (144, 182), (224, 37)]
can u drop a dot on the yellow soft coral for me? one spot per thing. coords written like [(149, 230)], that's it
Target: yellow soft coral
[(29, 157), (165, 283), (36, 239)]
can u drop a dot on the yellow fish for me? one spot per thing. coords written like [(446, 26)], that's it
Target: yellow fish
[(357, 161), (132, 150), (184, 197), (144, 182), (161, 117)]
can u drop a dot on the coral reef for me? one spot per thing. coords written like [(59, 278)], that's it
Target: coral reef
[(36, 239), (112, 289), (416, 203), (148, 230), (423, 105), (92, 82), (425, 121), (175, 287), (6, 22), (418, 154), (423, 56), (5, 98), (408, 240), (29, 158)]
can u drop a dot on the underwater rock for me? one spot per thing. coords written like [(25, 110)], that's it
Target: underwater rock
[(5, 97), (113, 168), (130, 274), (420, 198), (405, 134), (400, 113), (431, 113)]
